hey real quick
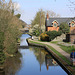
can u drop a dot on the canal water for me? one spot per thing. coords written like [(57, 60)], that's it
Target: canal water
[(32, 61)]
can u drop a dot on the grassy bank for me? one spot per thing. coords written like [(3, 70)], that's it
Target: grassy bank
[(59, 56), (67, 49)]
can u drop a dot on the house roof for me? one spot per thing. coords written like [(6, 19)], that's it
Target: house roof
[(59, 20), (23, 23)]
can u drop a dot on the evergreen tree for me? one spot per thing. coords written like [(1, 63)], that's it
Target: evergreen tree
[(64, 27)]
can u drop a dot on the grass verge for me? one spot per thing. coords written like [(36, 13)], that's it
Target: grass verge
[(67, 49), (56, 52), (60, 55)]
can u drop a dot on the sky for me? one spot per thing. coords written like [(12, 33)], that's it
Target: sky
[(28, 8)]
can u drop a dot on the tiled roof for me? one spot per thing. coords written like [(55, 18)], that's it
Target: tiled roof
[(59, 20)]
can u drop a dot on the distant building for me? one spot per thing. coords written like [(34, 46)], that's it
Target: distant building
[(54, 23), (23, 24)]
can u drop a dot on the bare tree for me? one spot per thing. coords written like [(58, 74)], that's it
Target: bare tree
[(71, 5), (52, 14), (9, 27)]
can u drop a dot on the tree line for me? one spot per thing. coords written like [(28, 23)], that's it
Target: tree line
[(9, 28), (38, 23)]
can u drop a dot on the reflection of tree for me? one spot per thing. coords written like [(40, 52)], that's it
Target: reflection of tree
[(12, 65), (43, 56), (36, 51)]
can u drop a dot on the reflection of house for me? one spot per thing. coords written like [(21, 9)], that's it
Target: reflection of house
[(53, 23), (49, 61), (54, 62)]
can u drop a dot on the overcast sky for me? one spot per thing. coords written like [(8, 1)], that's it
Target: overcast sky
[(28, 8)]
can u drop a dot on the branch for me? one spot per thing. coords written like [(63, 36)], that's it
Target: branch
[(72, 2)]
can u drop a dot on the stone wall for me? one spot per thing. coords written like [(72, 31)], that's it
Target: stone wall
[(60, 38), (72, 38)]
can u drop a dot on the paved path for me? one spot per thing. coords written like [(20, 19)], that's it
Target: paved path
[(56, 47)]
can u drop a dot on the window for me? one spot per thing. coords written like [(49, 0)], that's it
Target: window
[(52, 24), (69, 24), (72, 24), (55, 25)]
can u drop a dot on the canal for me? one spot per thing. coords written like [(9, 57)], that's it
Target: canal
[(32, 61)]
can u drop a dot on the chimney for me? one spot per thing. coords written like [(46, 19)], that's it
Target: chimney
[(46, 21), (47, 16)]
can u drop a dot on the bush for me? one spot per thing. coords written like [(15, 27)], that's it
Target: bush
[(44, 37), (64, 27), (53, 34), (36, 33), (2, 57), (1, 39), (18, 40), (59, 33), (35, 30)]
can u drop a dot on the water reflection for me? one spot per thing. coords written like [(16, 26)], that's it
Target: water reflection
[(50, 61), (34, 61), (12, 65)]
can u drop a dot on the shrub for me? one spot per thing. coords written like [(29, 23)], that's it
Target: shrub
[(44, 37), (2, 57), (64, 27), (53, 34), (35, 30), (59, 33), (18, 40), (36, 33)]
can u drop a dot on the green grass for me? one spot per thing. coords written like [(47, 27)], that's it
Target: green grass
[(68, 49), (56, 52), (59, 54), (55, 42)]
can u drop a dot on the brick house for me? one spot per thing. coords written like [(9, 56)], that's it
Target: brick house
[(54, 23)]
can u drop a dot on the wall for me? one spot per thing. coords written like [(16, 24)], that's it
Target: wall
[(72, 38), (72, 28), (52, 28)]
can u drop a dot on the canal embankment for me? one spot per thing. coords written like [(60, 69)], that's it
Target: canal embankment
[(62, 60), (5, 55)]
